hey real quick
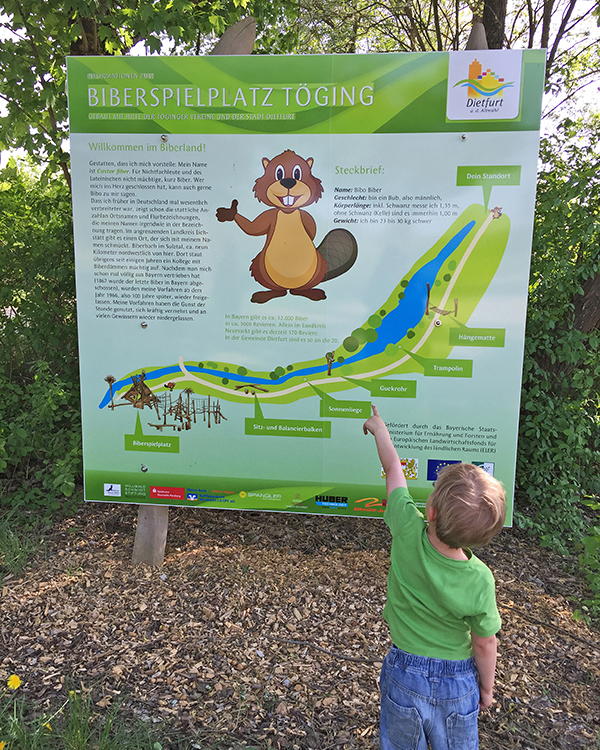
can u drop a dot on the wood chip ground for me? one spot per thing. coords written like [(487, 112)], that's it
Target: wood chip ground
[(218, 645)]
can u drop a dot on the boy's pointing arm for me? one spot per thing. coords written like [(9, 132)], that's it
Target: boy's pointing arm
[(387, 453)]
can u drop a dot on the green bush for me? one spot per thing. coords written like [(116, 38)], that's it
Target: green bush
[(559, 436), (40, 435), (589, 563)]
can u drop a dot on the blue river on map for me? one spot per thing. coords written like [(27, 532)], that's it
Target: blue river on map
[(394, 327)]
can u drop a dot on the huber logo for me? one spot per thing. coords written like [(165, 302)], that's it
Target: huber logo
[(484, 85), (332, 501), (484, 88)]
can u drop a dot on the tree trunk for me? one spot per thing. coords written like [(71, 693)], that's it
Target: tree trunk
[(494, 17), (587, 306)]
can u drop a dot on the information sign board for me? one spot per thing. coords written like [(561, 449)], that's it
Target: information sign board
[(267, 245)]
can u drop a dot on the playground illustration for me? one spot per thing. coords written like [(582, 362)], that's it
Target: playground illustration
[(423, 321), (177, 412)]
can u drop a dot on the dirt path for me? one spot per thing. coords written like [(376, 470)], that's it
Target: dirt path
[(213, 643)]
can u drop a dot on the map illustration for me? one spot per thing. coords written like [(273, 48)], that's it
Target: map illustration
[(409, 333)]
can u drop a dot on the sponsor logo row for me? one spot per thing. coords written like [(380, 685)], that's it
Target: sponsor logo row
[(410, 467)]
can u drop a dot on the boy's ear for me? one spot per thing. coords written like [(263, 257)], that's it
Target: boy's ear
[(431, 513)]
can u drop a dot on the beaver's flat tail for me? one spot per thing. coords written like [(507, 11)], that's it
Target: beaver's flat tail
[(340, 250)]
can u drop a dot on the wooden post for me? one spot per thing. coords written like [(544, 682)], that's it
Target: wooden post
[(477, 38), (151, 535), (153, 520), (237, 39)]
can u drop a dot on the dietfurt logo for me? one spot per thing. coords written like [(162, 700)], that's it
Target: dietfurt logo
[(485, 88), (484, 85)]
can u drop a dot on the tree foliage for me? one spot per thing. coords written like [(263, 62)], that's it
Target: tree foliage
[(567, 28), (558, 463), (41, 33), (40, 438), (559, 440)]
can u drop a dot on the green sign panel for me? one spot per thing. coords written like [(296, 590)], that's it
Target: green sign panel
[(449, 368), (288, 428), (267, 245), (150, 443), (346, 409), (394, 388), (477, 336)]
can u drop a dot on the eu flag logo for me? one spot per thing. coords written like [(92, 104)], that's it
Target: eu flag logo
[(434, 466)]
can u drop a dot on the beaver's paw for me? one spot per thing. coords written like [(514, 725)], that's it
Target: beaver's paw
[(227, 214), (262, 297), (314, 294)]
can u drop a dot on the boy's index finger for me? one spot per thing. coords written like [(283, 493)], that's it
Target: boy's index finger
[(369, 426)]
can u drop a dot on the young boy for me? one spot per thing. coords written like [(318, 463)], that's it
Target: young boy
[(441, 605)]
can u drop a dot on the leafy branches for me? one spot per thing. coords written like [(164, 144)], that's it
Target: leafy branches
[(560, 415), (566, 28), (40, 442), (381, 25), (39, 34)]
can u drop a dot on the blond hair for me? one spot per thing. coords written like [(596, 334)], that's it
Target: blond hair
[(470, 506)]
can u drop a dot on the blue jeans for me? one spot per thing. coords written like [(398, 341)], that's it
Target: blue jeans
[(427, 700)]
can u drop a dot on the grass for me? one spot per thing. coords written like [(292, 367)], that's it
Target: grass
[(16, 547), (76, 724)]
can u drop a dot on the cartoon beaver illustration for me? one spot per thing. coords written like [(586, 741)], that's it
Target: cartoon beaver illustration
[(289, 260)]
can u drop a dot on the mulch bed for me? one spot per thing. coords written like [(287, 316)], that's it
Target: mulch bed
[(265, 630)]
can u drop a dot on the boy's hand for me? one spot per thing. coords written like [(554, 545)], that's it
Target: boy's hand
[(485, 699), (394, 476), (374, 423)]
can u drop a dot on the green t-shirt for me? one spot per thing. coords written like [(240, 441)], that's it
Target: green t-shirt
[(434, 602)]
